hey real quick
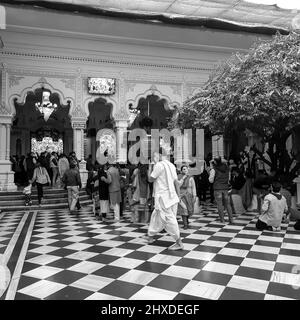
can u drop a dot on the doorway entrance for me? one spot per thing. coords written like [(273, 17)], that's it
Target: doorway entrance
[(35, 130)]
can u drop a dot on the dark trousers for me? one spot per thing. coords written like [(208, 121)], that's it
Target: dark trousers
[(40, 191), (78, 206), (122, 204), (27, 199), (202, 194), (30, 174), (260, 225), (211, 191)]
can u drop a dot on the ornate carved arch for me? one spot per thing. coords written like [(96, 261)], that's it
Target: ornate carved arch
[(168, 103), (109, 101), (21, 97)]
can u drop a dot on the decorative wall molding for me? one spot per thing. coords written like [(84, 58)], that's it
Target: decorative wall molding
[(5, 116), (4, 111), (129, 86), (78, 114), (42, 73), (122, 112), (102, 61), (3, 66), (69, 83), (177, 89), (14, 80)]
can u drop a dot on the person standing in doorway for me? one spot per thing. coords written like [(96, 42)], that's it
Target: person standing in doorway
[(166, 197), (72, 181)]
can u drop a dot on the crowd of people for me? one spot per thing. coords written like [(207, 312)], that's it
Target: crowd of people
[(48, 169), (157, 194), (234, 186)]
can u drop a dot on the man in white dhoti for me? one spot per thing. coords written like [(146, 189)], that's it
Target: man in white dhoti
[(165, 193)]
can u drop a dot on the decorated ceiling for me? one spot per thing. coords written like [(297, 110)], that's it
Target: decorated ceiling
[(262, 16)]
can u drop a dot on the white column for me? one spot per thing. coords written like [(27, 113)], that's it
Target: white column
[(217, 146), (200, 141), (78, 142), (8, 126), (78, 146), (297, 180), (2, 142), (121, 136), (6, 175), (82, 144), (178, 152), (187, 146)]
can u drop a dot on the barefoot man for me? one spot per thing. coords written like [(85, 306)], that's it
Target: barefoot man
[(165, 193)]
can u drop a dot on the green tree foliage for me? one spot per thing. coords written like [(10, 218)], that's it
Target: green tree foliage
[(259, 91)]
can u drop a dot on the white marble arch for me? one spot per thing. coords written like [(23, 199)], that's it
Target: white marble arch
[(168, 103), (21, 97), (109, 101)]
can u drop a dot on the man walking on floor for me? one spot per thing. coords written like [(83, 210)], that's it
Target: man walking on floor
[(113, 180), (165, 193), (72, 181)]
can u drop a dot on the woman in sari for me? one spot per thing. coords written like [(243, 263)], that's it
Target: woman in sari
[(141, 193), (187, 196)]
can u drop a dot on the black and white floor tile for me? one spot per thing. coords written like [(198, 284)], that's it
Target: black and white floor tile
[(56, 256)]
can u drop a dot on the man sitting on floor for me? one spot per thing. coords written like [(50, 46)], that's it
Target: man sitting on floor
[(293, 214), (272, 210)]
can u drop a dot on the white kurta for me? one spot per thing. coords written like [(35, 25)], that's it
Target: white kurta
[(166, 200)]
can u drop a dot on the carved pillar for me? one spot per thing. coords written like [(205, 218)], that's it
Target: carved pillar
[(217, 146), (6, 174), (78, 147), (8, 127), (2, 142), (78, 121), (121, 136)]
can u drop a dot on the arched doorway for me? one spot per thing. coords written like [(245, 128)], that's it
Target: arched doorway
[(39, 127), (100, 117), (155, 108), (152, 112)]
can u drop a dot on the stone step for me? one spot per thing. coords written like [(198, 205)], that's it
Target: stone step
[(46, 190), (20, 196), (43, 207), (53, 199), (17, 202)]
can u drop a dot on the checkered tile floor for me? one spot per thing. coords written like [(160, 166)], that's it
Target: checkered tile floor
[(78, 257)]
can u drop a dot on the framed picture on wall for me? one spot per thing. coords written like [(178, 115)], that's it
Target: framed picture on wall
[(101, 85)]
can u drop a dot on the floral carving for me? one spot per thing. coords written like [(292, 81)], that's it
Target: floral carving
[(69, 83), (14, 80)]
